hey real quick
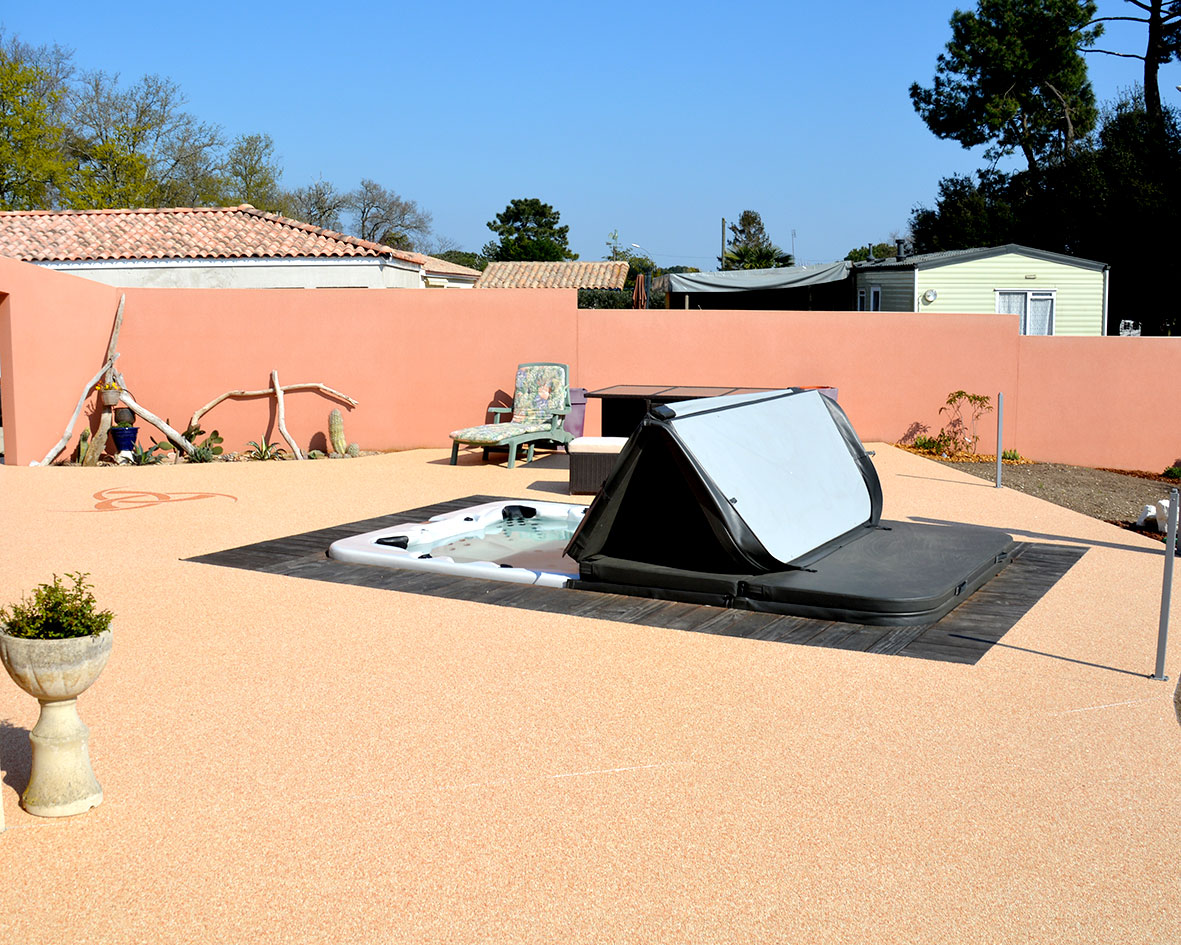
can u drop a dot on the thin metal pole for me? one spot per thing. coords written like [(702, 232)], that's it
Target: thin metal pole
[(1162, 640), (1000, 432), (723, 260)]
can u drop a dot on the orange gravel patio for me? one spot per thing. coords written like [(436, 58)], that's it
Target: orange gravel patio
[(292, 761)]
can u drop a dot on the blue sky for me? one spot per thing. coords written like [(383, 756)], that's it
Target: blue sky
[(653, 119)]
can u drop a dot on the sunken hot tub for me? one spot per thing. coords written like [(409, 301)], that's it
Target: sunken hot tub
[(518, 541), (765, 502)]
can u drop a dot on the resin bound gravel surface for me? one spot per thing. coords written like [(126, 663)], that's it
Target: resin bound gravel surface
[(292, 761)]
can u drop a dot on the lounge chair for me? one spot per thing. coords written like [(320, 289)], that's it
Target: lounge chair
[(540, 404)]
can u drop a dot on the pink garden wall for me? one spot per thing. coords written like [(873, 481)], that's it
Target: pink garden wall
[(422, 362)]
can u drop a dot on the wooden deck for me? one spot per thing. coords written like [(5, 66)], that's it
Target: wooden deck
[(963, 636)]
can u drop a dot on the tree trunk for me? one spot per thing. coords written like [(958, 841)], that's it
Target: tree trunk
[(1153, 54)]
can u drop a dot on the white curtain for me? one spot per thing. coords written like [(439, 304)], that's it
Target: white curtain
[(1011, 303), (1041, 316), (1036, 311)]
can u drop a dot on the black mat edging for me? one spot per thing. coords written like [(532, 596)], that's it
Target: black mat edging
[(963, 636)]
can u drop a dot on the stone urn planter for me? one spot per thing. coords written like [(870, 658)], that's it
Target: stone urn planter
[(56, 670)]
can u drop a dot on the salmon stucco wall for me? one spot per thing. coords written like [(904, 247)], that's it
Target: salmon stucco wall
[(421, 363), (54, 331), (893, 370), (1100, 401)]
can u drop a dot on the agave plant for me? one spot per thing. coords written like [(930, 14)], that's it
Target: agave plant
[(149, 457), (264, 450)]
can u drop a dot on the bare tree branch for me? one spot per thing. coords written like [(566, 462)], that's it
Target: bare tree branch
[(384, 217), (1109, 52)]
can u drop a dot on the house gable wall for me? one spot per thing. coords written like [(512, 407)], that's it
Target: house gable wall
[(363, 272)]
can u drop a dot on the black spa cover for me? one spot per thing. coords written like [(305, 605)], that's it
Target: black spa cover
[(769, 502)]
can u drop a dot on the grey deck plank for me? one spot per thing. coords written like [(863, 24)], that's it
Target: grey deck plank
[(963, 636)]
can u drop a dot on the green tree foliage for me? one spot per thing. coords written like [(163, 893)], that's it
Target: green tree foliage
[(967, 214), (252, 173), (1013, 77), (1096, 205), (32, 166), (463, 258), (749, 247), (137, 147), (528, 230), (880, 251)]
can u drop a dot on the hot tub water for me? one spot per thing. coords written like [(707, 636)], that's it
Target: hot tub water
[(517, 541)]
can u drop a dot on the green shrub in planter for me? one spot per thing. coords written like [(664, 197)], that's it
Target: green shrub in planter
[(56, 612)]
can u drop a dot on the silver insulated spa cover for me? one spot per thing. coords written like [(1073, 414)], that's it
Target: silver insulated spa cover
[(740, 483)]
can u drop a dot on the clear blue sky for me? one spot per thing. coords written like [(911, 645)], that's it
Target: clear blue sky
[(654, 119)]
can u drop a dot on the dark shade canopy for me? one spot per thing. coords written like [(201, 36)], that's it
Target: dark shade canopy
[(747, 280)]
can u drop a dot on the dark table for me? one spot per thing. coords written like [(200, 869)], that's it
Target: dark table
[(625, 405)]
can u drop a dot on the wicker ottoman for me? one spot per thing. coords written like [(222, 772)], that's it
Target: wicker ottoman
[(591, 460)]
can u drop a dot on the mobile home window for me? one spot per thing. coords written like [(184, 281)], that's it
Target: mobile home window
[(861, 300), (1035, 306), (875, 298)]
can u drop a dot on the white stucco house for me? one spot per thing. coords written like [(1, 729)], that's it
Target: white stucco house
[(215, 248)]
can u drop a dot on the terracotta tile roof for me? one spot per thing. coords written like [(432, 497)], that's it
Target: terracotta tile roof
[(174, 233), (553, 275), (443, 267)]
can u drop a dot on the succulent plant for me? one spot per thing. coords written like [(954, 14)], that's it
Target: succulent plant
[(264, 450), (315, 454), (336, 432), (152, 456), (353, 450)]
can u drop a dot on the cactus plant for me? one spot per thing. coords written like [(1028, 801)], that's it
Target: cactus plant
[(315, 454), (336, 432), (83, 445), (353, 450)]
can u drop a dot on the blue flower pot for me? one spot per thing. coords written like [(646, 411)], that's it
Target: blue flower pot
[(124, 437)]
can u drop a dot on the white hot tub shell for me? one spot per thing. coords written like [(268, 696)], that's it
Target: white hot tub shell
[(516, 540)]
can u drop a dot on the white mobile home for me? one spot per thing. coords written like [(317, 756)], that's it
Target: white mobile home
[(1054, 294)]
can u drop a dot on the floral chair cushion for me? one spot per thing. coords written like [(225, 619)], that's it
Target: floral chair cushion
[(540, 389), (492, 433)]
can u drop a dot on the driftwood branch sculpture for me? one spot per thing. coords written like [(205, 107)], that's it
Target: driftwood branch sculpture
[(98, 442), (174, 435), (108, 373), (86, 391), (269, 392), (295, 450)]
